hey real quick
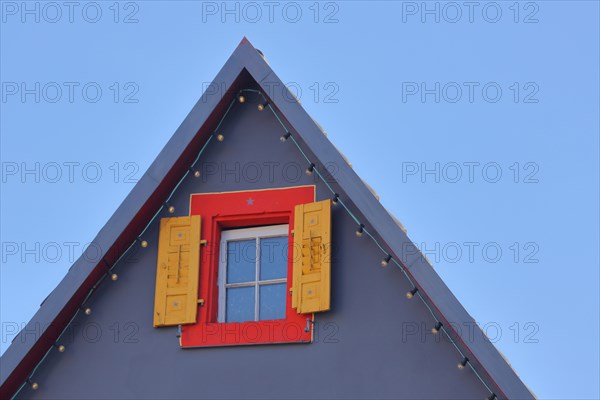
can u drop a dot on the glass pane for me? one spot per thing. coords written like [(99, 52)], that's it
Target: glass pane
[(273, 258), (272, 301), (240, 304), (241, 261)]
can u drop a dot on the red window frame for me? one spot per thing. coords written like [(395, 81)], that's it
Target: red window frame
[(243, 209)]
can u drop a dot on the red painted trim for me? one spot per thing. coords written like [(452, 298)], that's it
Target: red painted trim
[(239, 210)]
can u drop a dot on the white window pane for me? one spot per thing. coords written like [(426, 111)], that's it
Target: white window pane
[(240, 304), (241, 261), (272, 301), (273, 258)]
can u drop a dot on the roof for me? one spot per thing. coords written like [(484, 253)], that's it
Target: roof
[(246, 65)]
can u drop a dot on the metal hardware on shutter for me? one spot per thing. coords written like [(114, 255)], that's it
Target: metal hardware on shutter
[(178, 263), (309, 322), (310, 252)]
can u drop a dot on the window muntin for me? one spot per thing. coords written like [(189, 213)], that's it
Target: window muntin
[(253, 274)]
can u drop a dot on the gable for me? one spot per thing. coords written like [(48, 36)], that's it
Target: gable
[(368, 334), (243, 145)]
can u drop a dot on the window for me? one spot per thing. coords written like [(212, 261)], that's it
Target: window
[(253, 274), (255, 278)]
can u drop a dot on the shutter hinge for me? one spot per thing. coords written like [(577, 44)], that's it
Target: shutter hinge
[(201, 302), (308, 324), (203, 242)]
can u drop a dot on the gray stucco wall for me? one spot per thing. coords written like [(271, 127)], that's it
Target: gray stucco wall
[(362, 350)]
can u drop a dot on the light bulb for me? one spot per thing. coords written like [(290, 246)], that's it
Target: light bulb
[(114, 277), (88, 311), (262, 106), (220, 137), (386, 261), (359, 231), (285, 136), (34, 385), (411, 294), (60, 348), (144, 244), (436, 328), (335, 199), (171, 209), (463, 363), (241, 98), (197, 174), (310, 169)]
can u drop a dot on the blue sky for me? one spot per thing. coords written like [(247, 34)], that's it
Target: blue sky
[(477, 125)]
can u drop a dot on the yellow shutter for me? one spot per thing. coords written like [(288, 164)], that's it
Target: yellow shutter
[(176, 296), (312, 257)]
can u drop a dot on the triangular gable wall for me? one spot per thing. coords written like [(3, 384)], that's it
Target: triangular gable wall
[(244, 67)]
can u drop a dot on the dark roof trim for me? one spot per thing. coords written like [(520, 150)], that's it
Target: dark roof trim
[(244, 66)]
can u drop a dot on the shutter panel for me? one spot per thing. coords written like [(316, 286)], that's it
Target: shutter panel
[(312, 257), (177, 271)]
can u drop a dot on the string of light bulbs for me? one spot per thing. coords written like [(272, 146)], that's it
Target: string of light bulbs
[(311, 169), (439, 326), (109, 273)]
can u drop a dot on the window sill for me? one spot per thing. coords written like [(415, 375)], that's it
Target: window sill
[(215, 334)]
